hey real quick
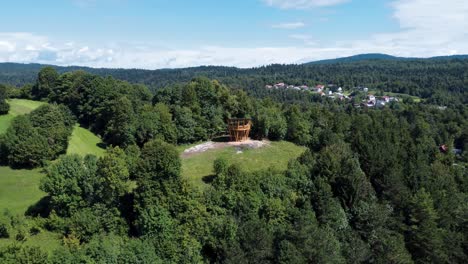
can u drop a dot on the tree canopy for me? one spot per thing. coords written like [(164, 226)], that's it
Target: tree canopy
[(374, 185)]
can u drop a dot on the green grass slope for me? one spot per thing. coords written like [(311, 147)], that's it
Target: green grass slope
[(19, 189), (45, 240), (276, 155), (17, 107), (84, 142)]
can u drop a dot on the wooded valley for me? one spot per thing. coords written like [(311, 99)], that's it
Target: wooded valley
[(383, 185)]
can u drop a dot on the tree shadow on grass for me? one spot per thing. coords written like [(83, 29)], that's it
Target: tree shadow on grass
[(221, 139), (209, 179), (41, 208)]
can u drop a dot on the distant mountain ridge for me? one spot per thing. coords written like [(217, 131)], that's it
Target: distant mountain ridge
[(18, 74), (380, 56)]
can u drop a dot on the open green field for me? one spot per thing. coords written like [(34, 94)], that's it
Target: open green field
[(84, 142), (47, 241), (415, 98), (399, 95), (17, 107), (276, 155), (19, 189)]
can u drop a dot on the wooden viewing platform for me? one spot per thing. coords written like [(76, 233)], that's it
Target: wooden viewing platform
[(239, 129)]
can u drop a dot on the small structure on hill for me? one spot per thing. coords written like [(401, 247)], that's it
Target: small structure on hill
[(239, 129), (443, 148)]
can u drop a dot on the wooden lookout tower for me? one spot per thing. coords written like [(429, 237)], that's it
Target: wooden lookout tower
[(239, 129)]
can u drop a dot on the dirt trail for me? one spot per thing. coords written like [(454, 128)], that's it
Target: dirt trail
[(200, 148)]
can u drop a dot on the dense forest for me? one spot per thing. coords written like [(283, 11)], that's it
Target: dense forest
[(443, 79), (374, 185)]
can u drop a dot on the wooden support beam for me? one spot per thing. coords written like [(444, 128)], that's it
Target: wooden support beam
[(239, 129)]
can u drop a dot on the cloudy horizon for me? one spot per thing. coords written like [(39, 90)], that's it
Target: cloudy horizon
[(150, 35)]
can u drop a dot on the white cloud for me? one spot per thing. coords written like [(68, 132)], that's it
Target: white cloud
[(307, 39), (39, 49), (292, 25), (427, 28), (432, 14), (302, 4), (21, 46), (7, 46)]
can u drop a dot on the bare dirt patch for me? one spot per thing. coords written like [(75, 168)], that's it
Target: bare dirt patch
[(240, 146)]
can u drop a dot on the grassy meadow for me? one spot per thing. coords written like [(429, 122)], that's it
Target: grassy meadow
[(19, 189), (17, 107), (84, 142), (276, 155), (399, 95)]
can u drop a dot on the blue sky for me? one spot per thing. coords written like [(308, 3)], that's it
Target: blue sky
[(244, 33)]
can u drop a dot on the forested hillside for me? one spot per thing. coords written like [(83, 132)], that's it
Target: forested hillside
[(443, 79), (380, 56), (383, 185)]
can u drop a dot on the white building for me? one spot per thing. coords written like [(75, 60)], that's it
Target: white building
[(380, 103)]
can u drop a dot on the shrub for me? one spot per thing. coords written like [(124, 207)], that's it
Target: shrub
[(220, 166), (88, 222), (4, 231), (17, 253), (4, 107), (34, 230), (33, 139), (21, 235)]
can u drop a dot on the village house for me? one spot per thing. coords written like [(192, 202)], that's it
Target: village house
[(280, 85), (370, 100), (337, 93), (319, 88), (380, 103)]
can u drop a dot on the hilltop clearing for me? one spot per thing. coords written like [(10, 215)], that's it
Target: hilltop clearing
[(197, 160)]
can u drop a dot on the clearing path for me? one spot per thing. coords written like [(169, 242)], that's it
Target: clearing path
[(248, 144)]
